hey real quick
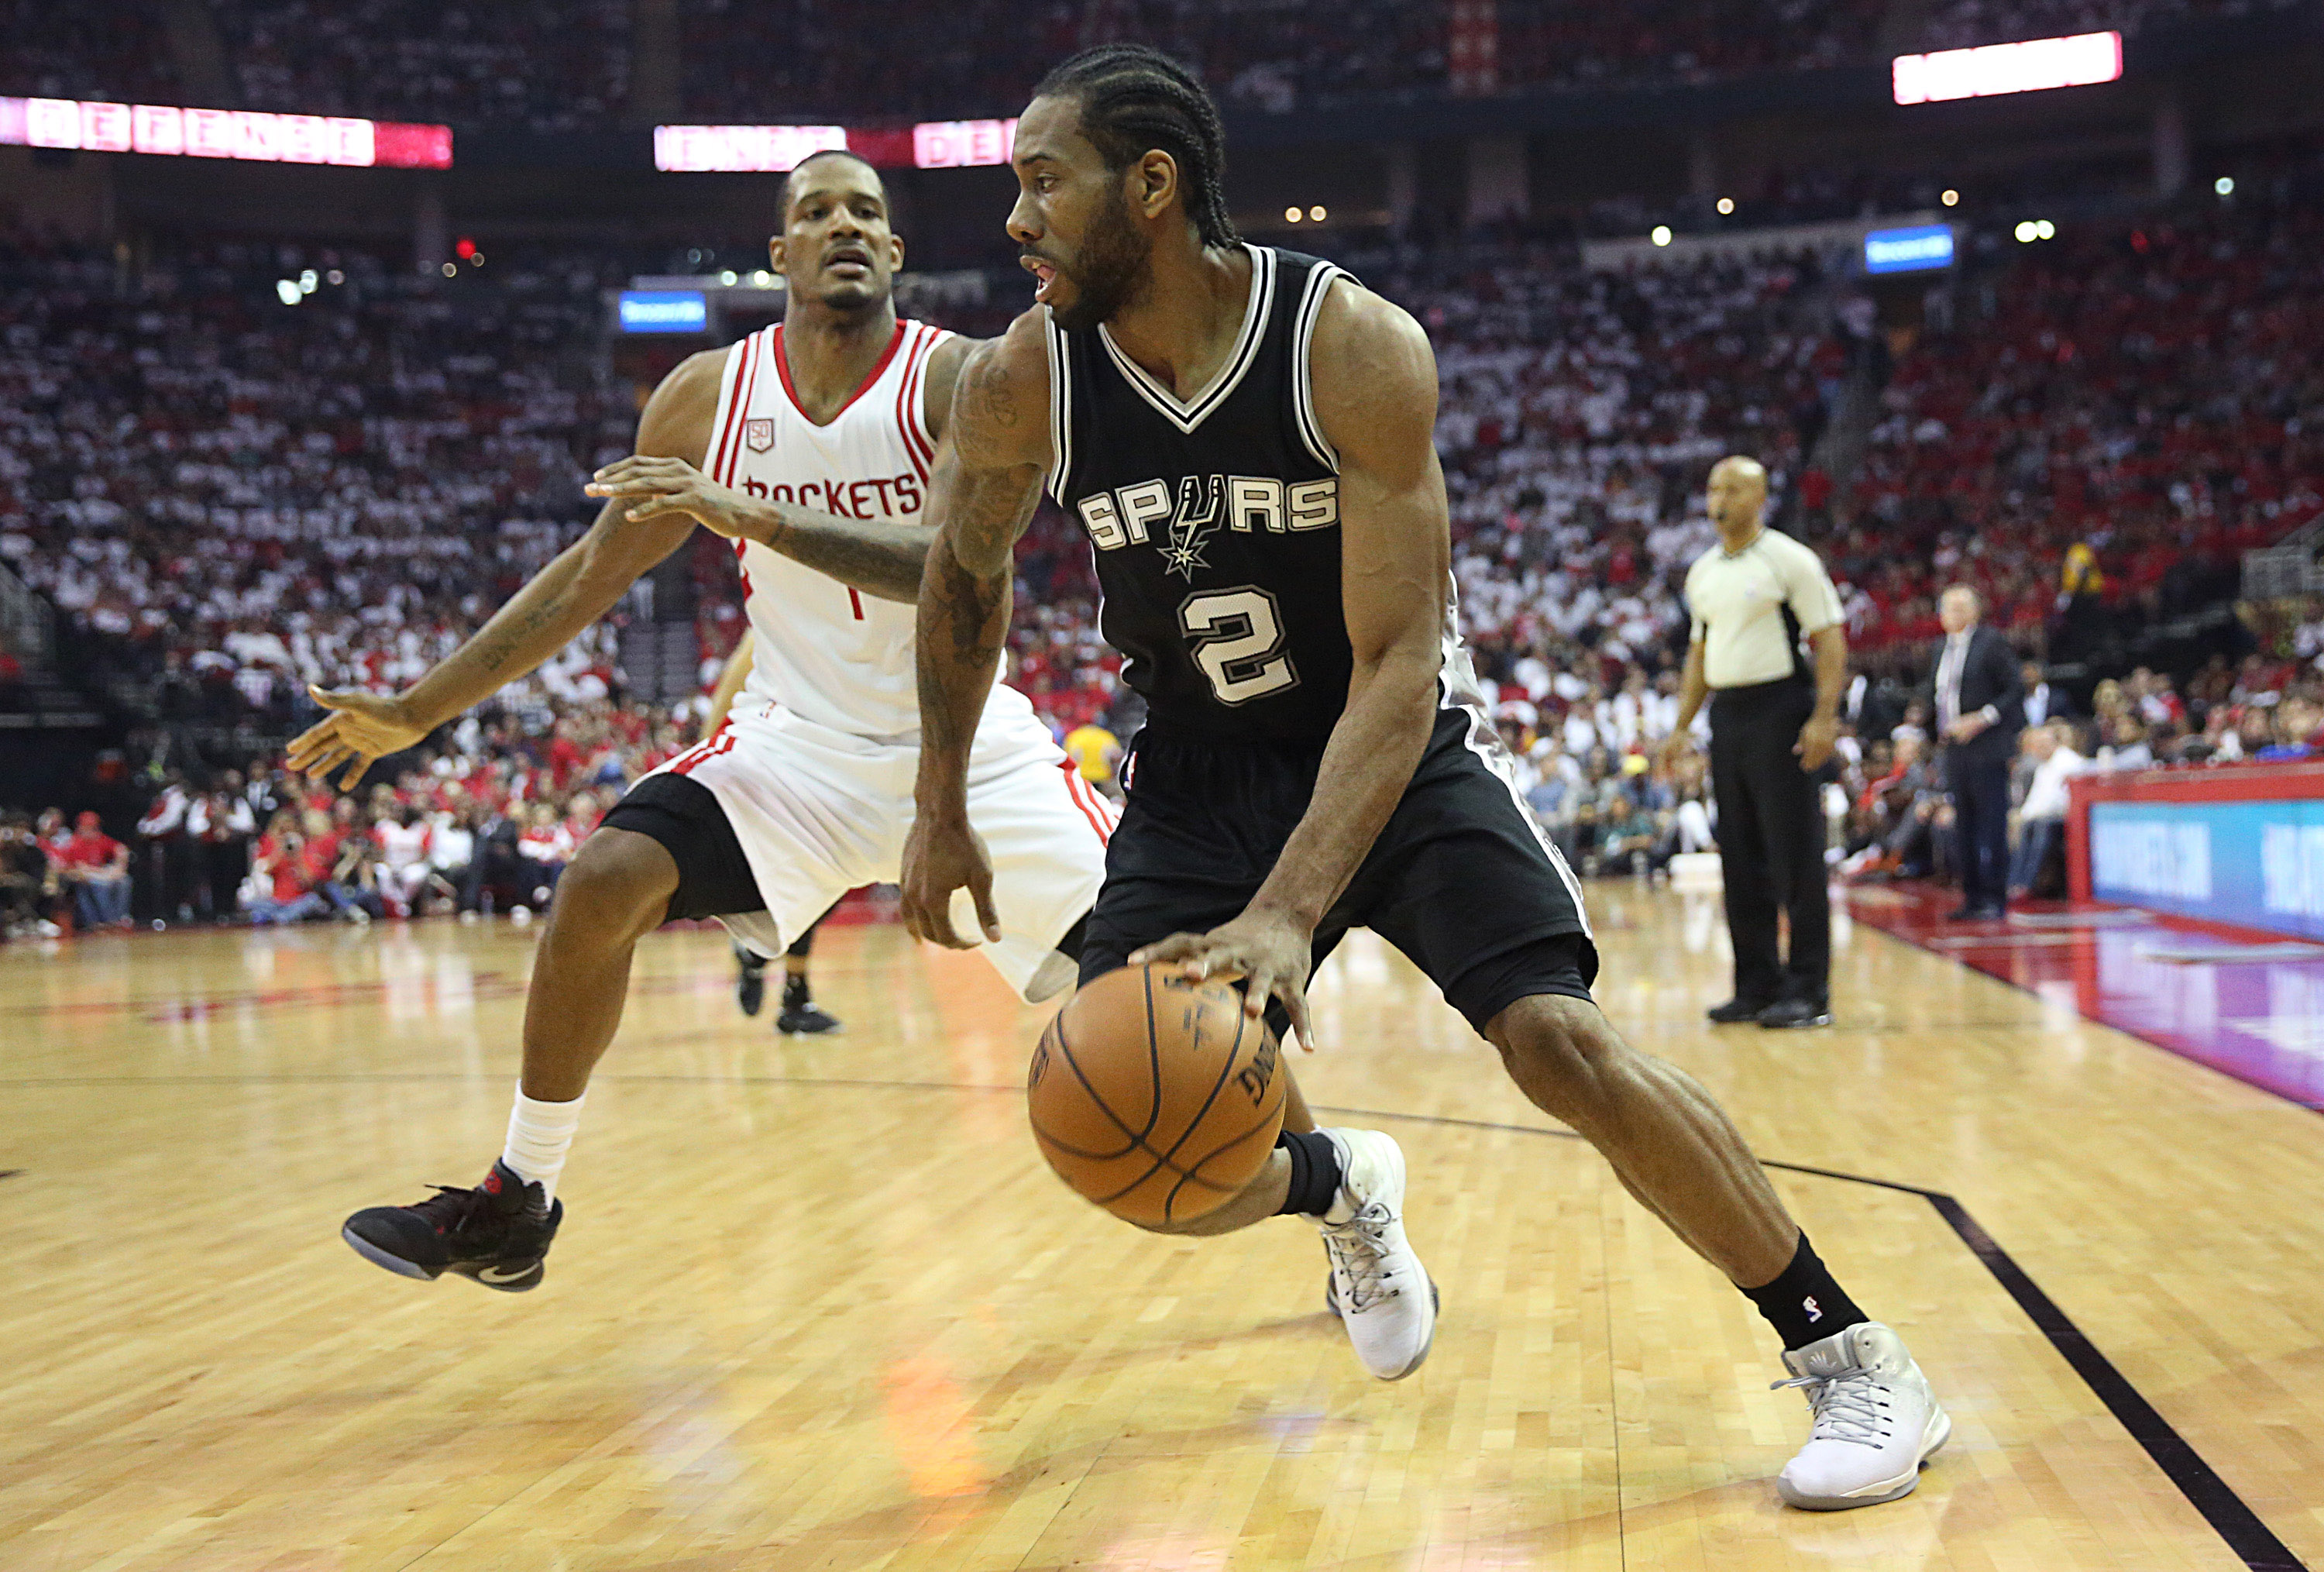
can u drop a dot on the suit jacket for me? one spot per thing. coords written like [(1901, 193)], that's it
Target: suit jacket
[(1988, 676)]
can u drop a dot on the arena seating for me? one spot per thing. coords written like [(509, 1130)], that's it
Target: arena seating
[(563, 68)]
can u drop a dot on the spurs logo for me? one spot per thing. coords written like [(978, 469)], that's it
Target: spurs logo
[(1191, 525)]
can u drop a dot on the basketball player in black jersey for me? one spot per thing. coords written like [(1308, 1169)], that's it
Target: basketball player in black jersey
[(1246, 436)]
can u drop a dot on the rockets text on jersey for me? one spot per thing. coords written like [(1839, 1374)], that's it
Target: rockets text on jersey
[(825, 650)]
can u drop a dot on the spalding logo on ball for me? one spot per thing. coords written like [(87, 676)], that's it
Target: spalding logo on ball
[(1154, 1097)]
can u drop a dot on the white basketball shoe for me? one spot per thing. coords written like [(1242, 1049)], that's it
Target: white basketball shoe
[(1875, 1420), (1379, 1287)]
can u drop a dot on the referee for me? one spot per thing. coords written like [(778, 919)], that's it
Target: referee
[(1772, 727)]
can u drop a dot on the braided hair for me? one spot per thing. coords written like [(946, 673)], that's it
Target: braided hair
[(1135, 98)]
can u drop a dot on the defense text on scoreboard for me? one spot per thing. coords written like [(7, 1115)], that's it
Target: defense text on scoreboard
[(775, 149), (250, 136)]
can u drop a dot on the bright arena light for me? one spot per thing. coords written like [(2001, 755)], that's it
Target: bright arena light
[(287, 292), (1291, 214), (2034, 66), (2044, 229), (1317, 214), (1726, 205), (1951, 198), (249, 135), (1660, 235), (2029, 230), (2225, 185)]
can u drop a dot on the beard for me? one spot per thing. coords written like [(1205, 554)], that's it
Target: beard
[(1110, 269)]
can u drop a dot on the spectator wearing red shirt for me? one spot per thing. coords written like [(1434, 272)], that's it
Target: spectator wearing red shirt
[(97, 866), (281, 861)]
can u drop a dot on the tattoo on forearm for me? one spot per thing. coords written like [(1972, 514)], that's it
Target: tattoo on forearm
[(971, 611), (496, 653), (878, 555)]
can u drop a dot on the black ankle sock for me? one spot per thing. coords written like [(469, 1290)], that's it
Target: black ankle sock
[(1315, 1173), (794, 992), (1805, 1304)]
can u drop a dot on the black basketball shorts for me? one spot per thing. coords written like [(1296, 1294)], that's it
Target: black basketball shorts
[(1460, 879), (713, 876)]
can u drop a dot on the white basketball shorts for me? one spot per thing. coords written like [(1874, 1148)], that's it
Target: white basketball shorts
[(820, 812)]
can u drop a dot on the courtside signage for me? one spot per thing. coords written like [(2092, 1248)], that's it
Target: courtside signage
[(249, 135), (2256, 865), (664, 312), (1915, 250), (931, 145), (2034, 66)]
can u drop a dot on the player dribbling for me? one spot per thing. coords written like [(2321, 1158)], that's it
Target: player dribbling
[(1246, 436)]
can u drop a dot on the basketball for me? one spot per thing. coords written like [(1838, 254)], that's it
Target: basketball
[(1154, 1096)]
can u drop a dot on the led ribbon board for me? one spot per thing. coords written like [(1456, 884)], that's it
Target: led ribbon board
[(1921, 248), (249, 135), (664, 312), (2034, 66), (774, 149)]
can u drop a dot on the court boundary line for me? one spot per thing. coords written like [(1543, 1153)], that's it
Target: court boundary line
[(2229, 1515), (2201, 1485)]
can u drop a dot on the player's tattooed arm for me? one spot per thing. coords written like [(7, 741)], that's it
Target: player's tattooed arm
[(1375, 391), (870, 549), (877, 554), (987, 480), (563, 599)]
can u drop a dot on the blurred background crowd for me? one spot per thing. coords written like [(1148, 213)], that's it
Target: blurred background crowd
[(237, 458)]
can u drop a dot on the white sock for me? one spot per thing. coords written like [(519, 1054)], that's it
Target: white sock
[(538, 1136)]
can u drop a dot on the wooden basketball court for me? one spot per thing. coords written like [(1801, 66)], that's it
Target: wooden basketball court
[(819, 1304)]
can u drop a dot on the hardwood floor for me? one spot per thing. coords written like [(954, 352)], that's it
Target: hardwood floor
[(819, 1304)]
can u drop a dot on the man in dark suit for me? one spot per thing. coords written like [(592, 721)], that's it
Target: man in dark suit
[(1978, 700)]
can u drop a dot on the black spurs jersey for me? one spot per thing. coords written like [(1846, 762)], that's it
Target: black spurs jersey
[(1216, 521)]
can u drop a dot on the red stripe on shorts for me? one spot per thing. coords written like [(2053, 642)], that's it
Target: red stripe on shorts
[(1079, 791)]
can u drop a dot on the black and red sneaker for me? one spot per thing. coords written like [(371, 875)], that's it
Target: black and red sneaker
[(496, 1233)]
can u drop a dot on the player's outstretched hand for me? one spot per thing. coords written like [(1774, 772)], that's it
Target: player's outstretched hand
[(938, 859), (1272, 953), (359, 728), (658, 488)]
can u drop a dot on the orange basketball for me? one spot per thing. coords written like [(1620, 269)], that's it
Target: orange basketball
[(1156, 1097)]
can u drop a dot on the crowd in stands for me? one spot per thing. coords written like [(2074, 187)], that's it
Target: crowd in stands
[(481, 819), (2143, 393), (560, 68), (547, 65), (110, 49), (228, 497)]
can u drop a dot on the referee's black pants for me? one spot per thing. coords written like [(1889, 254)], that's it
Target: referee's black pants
[(1771, 840)]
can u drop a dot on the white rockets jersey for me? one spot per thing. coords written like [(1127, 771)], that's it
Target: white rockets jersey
[(826, 652)]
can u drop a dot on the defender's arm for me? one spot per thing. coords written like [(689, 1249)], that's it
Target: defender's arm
[(1375, 391), (882, 556), (549, 613), (987, 480)]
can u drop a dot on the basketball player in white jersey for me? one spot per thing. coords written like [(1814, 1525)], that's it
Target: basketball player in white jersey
[(808, 444)]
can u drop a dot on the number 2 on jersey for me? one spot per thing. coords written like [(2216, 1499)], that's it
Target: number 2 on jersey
[(1237, 642)]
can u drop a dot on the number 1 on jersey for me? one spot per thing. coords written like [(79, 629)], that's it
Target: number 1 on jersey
[(1237, 642)]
